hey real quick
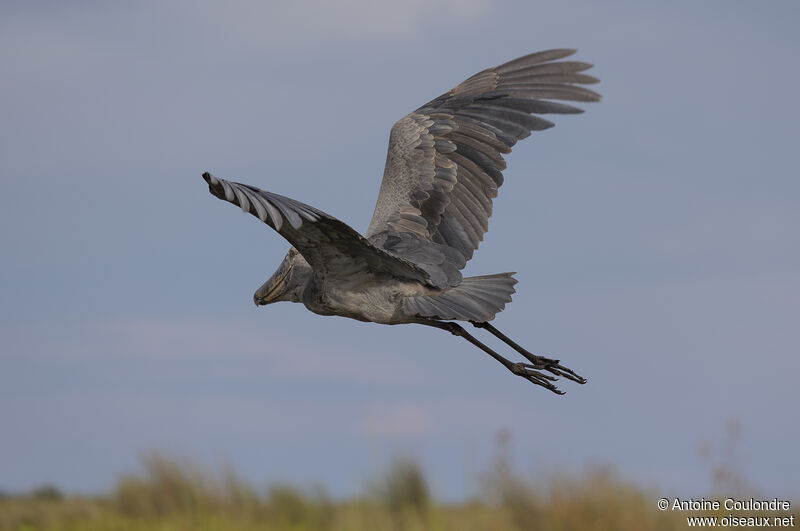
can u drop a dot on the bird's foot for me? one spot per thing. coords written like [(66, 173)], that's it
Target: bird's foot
[(536, 362), (555, 367), (529, 372)]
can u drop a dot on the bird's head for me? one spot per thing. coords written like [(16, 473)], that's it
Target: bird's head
[(287, 283)]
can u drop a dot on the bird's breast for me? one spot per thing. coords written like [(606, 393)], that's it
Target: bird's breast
[(375, 302)]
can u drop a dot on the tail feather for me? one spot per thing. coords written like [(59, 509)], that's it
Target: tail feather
[(475, 299)]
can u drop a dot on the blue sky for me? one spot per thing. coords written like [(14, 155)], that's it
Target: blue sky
[(655, 239)]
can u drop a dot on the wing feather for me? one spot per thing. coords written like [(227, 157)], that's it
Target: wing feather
[(324, 241), (445, 160)]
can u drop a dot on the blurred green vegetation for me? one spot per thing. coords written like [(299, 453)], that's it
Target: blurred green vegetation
[(172, 495), (178, 496)]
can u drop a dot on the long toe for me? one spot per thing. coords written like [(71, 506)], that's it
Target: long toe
[(528, 372), (560, 370), (555, 367)]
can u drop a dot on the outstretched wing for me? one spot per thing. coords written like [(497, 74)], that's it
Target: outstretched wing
[(445, 159), (330, 246)]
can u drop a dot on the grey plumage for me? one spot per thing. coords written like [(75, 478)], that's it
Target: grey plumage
[(445, 159), (324, 241), (443, 168), (474, 299)]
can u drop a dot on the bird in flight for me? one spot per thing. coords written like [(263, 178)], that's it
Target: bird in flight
[(443, 168)]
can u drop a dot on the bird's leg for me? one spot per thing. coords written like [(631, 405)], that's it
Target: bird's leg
[(525, 370), (539, 362)]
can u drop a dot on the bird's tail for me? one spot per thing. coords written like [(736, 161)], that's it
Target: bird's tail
[(475, 299)]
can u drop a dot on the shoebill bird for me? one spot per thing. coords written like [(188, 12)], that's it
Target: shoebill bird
[(443, 168)]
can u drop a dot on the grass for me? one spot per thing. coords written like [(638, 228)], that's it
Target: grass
[(172, 495)]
